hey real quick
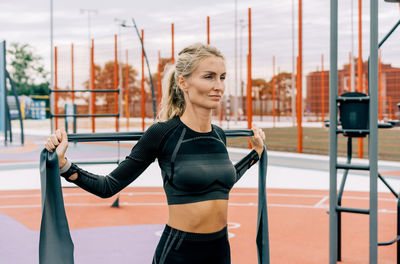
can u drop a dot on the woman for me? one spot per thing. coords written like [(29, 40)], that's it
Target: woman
[(196, 170)]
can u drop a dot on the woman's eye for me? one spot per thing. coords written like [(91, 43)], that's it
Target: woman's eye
[(222, 78), (208, 76)]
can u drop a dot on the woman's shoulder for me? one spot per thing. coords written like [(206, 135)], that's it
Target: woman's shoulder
[(220, 132), (160, 128), (218, 128)]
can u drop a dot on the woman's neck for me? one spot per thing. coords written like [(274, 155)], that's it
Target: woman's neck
[(197, 119)]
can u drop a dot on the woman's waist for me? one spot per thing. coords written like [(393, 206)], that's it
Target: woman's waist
[(199, 217)]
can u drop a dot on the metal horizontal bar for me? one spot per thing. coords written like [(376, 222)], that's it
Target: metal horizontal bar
[(132, 136), (238, 133), (385, 125), (353, 99), (96, 162), (352, 210), (389, 242), (351, 166), (95, 91), (117, 136), (84, 115), (359, 131)]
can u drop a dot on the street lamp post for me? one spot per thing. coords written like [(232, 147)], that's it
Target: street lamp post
[(51, 66), (120, 23), (89, 12), (242, 26)]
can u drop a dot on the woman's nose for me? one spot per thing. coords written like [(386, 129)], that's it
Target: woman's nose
[(220, 86)]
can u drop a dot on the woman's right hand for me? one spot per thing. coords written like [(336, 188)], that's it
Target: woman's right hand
[(58, 141)]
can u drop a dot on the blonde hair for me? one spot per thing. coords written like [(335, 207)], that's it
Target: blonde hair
[(173, 99)]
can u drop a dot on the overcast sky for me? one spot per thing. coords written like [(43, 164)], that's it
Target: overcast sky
[(26, 21)]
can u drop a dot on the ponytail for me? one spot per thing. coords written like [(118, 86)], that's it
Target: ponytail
[(173, 100)]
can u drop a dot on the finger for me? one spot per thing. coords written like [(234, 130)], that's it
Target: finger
[(50, 144), (48, 147), (54, 139), (64, 135), (58, 134)]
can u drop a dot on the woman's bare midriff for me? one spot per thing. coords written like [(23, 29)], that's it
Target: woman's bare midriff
[(200, 217)]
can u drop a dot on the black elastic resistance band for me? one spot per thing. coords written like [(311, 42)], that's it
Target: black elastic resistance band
[(55, 243)]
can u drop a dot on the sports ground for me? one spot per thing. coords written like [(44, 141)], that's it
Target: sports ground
[(297, 195)]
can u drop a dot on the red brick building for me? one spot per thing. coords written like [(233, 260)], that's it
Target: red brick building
[(318, 85)]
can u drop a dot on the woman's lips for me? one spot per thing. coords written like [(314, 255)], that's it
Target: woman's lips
[(215, 97)]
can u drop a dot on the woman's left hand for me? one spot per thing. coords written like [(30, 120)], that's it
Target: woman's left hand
[(257, 141)]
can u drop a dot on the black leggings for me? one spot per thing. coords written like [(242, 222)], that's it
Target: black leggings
[(180, 247)]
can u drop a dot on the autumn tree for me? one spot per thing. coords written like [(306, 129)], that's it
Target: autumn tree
[(104, 80)]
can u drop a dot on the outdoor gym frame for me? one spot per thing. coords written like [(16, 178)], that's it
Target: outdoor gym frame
[(372, 132)]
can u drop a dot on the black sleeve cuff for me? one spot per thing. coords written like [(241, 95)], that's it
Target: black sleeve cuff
[(73, 168)]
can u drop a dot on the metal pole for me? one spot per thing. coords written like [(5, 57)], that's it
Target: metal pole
[(92, 85), (352, 84), (300, 85), (51, 66), (273, 90), (55, 87), (241, 64), (333, 81), (249, 84), (3, 91), (235, 101), (373, 136), (293, 71), (360, 66), (322, 89), (172, 44), (89, 11), (208, 30), (116, 82), (127, 114), (143, 104), (72, 74), (380, 96), (120, 83)]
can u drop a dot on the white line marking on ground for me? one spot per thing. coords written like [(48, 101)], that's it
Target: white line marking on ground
[(320, 202)]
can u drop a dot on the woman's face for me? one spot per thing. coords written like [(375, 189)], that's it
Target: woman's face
[(206, 85)]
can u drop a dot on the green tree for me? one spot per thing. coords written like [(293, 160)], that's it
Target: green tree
[(26, 70)]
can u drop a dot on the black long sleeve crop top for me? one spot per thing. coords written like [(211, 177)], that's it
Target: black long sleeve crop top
[(194, 166)]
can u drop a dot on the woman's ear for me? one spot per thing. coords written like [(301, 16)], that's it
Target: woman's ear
[(182, 83)]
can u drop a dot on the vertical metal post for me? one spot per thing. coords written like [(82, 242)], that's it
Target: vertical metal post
[(235, 101), (51, 67), (360, 66), (72, 74), (293, 70), (55, 87), (350, 76), (380, 96), (322, 90), (92, 86), (208, 30), (143, 104), (3, 90), (333, 82), (273, 90), (116, 82), (373, 136), (172, 44), (159, 90), (127, 113), (249, 81), (398, 231), (352, 87), (300, 84)]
